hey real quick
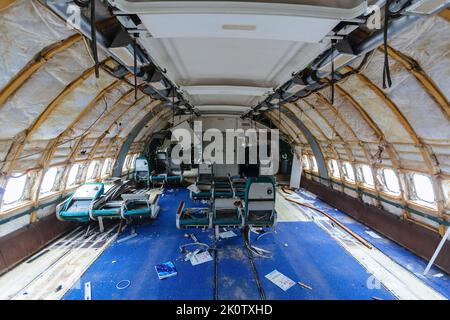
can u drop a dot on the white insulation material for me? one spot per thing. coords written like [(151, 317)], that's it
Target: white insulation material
[(49, 116), (71, 106), (27, 103), (27, 27)]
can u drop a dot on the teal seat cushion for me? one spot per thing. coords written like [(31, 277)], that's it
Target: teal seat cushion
[(138, 212)]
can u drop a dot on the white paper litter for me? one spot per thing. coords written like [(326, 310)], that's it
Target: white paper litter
[(193, 188), (280, 280), (200, 258), (227, 234)]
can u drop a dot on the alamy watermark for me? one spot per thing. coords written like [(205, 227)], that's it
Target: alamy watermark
[(232, 146)]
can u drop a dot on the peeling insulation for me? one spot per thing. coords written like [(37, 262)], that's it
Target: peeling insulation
[(62, 114)]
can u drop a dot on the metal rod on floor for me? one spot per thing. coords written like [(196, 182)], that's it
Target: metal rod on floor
[(437, 251), (342, 226), (216, 271), (252, 262)]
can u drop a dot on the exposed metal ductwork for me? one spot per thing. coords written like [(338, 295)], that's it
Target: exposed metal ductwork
[(121, 48)]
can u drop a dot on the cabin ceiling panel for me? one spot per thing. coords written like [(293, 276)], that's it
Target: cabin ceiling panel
[(71, 106), (26, 28), (27, 103)]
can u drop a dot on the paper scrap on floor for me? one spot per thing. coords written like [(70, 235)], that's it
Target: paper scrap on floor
[(227, 234), (166, 270), (280, 280), (200, 258), (193, 188)]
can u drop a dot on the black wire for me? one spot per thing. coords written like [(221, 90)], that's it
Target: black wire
[(332, 71), (173, 108), (216, 272), (82, 3), (262, 294), (279, 112), (94, 39), (386, 71), (135, 68)]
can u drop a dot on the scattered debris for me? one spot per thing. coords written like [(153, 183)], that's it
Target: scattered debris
[(38, 256), (227, 234), (280, 280), (127, 238), (166, 270), (304, 285), (341, 225), (58, 288), (285, 245), (438, 275), (87, 291), (200, 257), (123, 284), (193, 188), (193, 237)]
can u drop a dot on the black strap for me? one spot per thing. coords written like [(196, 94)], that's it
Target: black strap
[(333, 42), (135, 68), (386, 71), (94, 39)]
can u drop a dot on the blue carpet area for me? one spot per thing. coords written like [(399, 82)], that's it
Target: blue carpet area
[(304, 252), (436, 278), (235, 275), (311, 256)]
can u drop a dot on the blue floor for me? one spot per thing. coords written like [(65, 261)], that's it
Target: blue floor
[(311, 256), (436, 278)]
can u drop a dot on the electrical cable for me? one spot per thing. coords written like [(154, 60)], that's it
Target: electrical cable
[(135, 68), (94, 39), (386, 71), (333, 42)]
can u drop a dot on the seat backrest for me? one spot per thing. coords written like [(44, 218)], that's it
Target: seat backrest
[(89, 191), (259, 194)]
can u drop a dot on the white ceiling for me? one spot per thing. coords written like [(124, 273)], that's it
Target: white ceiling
[(230, 59)]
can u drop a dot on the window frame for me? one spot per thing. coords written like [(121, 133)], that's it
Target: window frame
[(305, 159), (413, 191), (125, 164), (381, 176), (106, 172), (21, 198), (345, 172), (53, 187), (76, 178), (94, 173), (333, 166), (314, 167), (362, 177)]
